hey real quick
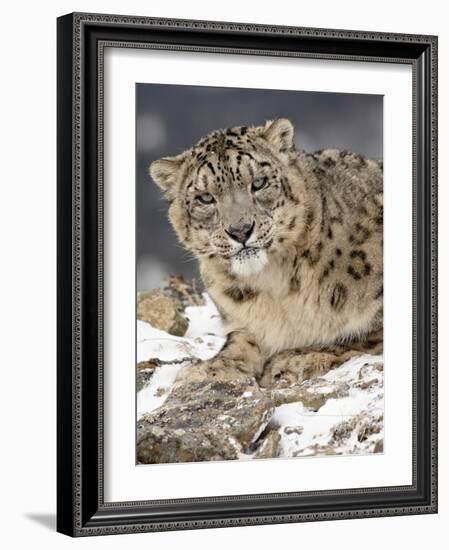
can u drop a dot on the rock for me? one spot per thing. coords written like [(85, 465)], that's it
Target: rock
[(184, 292), (269, 448), (145, 371), (366, 428), (161, 312), (293, 430), (149, 364), (313, 393), (379, 446), (204, 419)]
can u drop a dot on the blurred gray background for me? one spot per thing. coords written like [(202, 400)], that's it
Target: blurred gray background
[(172, 118)]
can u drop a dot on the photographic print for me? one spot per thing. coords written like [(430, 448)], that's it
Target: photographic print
[(259, 249)]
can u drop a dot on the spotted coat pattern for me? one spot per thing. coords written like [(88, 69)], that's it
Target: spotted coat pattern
[(290, 243)]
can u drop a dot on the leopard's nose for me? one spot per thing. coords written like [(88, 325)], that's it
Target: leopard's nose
[(240, 233)]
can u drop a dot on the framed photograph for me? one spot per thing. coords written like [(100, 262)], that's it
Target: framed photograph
[(247, 274)]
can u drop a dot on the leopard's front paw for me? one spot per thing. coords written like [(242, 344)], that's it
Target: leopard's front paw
[(293, 367), (218, 368), (240, 358)]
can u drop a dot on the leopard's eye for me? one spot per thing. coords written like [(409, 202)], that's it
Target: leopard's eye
[(259, 183), (206, 198)]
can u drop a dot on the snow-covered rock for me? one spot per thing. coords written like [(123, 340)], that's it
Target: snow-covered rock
[(230, 417), (348, 420)]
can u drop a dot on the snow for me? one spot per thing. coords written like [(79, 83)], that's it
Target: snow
[(156, 392), (203, 339), (204, 320), (361, 405)]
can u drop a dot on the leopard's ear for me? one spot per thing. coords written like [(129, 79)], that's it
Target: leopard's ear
[(279, 134), (165, 173)]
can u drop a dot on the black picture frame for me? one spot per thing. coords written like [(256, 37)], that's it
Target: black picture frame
[(81, 509)]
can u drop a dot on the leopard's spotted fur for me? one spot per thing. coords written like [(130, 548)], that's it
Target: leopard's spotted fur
[(289, 243)]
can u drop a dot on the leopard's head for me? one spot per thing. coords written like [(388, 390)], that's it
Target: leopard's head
[(230, 194)]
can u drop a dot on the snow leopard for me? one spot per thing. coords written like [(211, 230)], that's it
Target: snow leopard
[(289, 245)]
